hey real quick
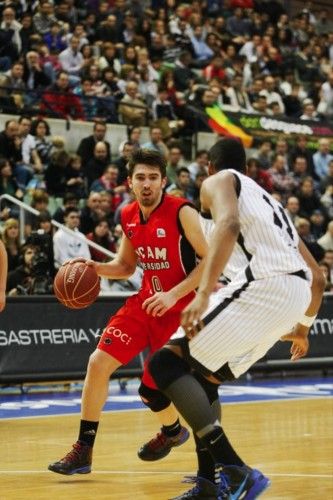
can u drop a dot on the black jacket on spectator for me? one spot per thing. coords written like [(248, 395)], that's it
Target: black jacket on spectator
[(156, 53), (13, 260), (7, 47), (107, 34), (121, 163), (55, 178), (59, 215), (163, 110), (293, 106), (86, 149), (40, 79), (305, 153), (88, 220), (8, 149), (93, 169), (20, 276), (79, 190), (315, 249), (26, 40), (308, 204), (182, 77)]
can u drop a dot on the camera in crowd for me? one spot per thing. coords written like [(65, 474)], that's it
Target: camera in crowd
[(41, 282)]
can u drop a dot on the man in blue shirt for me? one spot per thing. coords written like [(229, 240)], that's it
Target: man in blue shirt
[(322, 158)]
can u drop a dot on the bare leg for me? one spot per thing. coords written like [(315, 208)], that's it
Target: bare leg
[(168, 416), (94, 394), (96, 384)]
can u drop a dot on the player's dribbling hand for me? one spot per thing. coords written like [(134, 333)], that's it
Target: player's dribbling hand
[(300, 342), (88, 262), (190, 317), (72, 261)]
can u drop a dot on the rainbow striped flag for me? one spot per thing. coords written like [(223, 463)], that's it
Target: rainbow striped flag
[(222, 125)]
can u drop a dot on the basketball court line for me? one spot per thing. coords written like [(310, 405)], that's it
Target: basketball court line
[(157, 473)]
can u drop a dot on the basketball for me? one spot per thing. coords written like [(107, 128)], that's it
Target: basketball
[(76, 285)]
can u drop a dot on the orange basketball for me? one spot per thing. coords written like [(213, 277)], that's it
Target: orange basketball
[(76, 285)]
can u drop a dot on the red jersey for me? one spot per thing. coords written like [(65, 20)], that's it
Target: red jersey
[(164, 253)]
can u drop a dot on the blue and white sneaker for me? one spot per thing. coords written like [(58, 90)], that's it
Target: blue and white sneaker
[(244, 483), (204, 490)]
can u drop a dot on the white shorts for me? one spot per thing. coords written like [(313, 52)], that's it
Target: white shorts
[(245, 319)]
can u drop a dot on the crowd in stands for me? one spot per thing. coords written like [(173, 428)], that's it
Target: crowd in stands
[(156, 63), (135, 62)]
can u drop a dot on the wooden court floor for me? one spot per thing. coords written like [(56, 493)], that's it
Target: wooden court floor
[(290, 441)]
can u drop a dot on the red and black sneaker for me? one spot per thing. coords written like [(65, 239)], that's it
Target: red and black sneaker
[(77, 461), (161, 445)]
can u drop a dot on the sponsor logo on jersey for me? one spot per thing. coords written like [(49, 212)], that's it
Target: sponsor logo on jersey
[(116, 333), (153, 258), (149, 252), (131, 224), (160, 233)]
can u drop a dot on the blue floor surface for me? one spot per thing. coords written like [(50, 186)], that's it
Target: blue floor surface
[(35, 401)]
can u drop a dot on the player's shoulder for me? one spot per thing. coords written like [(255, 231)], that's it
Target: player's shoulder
[(174, 201), (213, 182), (176, 204), (130, 208)]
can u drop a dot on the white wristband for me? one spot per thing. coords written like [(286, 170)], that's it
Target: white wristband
[(307, 320)]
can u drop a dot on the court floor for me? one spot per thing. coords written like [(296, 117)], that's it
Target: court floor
[(282, 427)]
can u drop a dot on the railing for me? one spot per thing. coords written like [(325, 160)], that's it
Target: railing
[(45, 102), (24, 207)]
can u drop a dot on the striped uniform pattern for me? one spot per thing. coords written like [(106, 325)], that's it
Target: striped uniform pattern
[(264, 300), (238, 259)]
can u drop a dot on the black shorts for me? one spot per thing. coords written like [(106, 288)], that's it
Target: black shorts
[(223, 374)]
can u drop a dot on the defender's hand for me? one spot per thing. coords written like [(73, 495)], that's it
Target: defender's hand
[(300, 342), (190, 317)]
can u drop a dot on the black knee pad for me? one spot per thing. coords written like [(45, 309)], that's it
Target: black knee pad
[(166, 367), (210, 388), (154, 399)]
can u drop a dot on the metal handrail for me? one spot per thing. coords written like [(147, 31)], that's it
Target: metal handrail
[(24, 207)]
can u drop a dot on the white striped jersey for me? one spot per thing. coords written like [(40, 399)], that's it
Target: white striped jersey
[(237, 260), (267, 237)]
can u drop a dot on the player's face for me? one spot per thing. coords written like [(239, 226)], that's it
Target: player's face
[(147, 185)]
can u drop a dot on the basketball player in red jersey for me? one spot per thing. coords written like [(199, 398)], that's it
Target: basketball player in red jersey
[(3, 275), (164, 235)]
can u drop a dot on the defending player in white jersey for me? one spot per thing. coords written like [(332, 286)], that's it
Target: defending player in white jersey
[(277, 294)]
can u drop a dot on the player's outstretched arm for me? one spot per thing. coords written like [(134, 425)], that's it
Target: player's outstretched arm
[(122, 266), (318, 281), (218, 195), (3, 275), (299, 336)]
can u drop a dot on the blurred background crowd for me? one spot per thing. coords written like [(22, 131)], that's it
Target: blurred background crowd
[(156, 64)]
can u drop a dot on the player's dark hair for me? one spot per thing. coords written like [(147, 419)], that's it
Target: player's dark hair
[(228, 153), (147, 157)]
